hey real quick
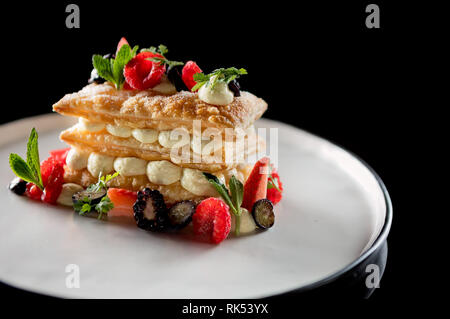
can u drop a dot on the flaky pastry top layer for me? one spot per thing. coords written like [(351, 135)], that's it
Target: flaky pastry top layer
[(150, 109)]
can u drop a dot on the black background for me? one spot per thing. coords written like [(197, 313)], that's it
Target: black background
[(316, 64)]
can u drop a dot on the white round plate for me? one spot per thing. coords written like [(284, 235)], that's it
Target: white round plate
[(333, 209)]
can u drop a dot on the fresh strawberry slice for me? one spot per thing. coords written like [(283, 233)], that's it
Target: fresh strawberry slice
[(212, 220), (121, 42), (274, 194), (53, 184), (189, 69), (255, 187), (141, 73), (47, 168), (123, 201), (60, 155), (33, 192)]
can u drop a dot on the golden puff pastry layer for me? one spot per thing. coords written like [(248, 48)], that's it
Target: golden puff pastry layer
[(150, 109), (104, 143)]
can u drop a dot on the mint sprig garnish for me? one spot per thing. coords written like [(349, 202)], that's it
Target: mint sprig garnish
[(225, 75), (85, 205), (233, 197), (112, 69), (101, 183), (162, 50), (29, 170)]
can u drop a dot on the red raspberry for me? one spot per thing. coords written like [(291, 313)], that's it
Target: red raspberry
[(33, 192), (142, 74), (212, 220), (60, 155), (189, 69), (273, 194), (53, 185), (126, 86)]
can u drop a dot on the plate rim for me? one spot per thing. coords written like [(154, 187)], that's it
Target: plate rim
[(382, 236)]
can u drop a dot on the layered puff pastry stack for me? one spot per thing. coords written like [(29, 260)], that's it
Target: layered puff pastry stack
[(130, 132)]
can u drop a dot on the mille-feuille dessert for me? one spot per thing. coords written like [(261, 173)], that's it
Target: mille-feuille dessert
[(163, 142)]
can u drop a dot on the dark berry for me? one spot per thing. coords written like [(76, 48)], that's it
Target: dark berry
[(180, 214), (174, 76), (235, 87), (94, 196), (18, 186), (150, 211), (263, 213)]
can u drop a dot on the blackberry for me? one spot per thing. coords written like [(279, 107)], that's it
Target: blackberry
[(150, 211), (174, 76), (235, 87), (18, 186), (180, 214)]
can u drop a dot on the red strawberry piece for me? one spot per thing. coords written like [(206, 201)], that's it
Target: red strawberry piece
[(212, 220), (33, 192), (121, 42), (255, 187), (53, 185), (60, 155), (141, 73), (123, 201), (273, 194), (46, 169), (189, 69)]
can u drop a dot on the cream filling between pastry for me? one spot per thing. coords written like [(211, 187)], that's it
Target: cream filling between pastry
[(158, 172), (207, 146)]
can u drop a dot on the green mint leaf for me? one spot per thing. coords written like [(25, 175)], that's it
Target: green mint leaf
[(134, 51), (222, 74), (163, 49), (237, 193), (21, 168), (151, 49), (163, 60), (103, 67), (33, 158), (221, 189), (124, 55), (201, 80), (200, 77), (197, 86)]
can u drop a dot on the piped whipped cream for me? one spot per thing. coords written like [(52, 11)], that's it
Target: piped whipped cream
[(219, 95)]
